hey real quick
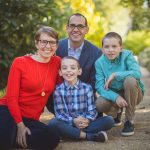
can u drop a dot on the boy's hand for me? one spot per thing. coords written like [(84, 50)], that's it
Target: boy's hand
[(108, 82), (81, 122), (121, 102)]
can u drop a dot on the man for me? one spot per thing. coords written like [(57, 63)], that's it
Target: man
[(75, 45)]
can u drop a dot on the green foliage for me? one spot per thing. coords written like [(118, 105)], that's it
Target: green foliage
[(19, 19), (137, 41), (141, 19), (135, 3), (2, 92), (139, 12), (144, 58)]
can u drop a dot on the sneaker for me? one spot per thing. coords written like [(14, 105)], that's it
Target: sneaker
[(117, 120), (100, 137), (128, 129)]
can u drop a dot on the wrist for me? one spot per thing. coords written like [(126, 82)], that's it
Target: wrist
[(114, 75), (20, 125)]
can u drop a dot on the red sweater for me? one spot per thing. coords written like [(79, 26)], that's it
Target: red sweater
[(24, 87)]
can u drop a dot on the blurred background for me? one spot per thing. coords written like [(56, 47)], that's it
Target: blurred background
[(19, 19)]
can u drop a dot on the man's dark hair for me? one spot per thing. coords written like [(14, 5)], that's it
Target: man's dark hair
[(78, 14), (112, 35)]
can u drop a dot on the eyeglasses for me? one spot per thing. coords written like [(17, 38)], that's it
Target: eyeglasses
[(79, 26), (45, 42)]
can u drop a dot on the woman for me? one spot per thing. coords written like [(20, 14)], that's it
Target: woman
[(31, 80)]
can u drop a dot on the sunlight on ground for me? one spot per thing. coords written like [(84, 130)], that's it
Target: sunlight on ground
[(146, 110)]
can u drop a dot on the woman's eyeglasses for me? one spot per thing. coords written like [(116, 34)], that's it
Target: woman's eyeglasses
[(45, 42)]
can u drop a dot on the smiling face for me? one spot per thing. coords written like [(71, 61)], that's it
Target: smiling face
[(111, 47), (77, 34), (70, 70), (46, 46)]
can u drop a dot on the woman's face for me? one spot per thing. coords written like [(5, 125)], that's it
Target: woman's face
[(46, 45)]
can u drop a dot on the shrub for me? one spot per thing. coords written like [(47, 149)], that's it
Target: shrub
[(137, 41), (144, 58), (2, 92)]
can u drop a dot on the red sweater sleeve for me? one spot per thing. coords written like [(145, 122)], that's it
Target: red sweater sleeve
[(12, 92)]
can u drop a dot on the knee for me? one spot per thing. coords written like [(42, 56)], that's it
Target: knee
[(54, 124), (103, 105), (46, 139), (98, 104), (109, 121), (130, 83), (53, 134)]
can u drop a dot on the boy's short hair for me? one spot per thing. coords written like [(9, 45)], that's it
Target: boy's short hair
[(70, 57), (112, 35)]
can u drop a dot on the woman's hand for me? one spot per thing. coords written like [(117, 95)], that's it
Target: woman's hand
[(21, 134)]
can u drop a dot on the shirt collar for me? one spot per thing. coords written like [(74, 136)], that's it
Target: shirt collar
[(76, 85), (77, 49)]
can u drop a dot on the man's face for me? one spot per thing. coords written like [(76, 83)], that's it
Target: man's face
[(77, 29)]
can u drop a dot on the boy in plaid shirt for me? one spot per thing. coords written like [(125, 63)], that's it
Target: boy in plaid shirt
[(75, 108)]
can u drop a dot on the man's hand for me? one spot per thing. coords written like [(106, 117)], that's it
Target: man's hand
[(121, 102), (108, 82), (21, 134), (81, 122)]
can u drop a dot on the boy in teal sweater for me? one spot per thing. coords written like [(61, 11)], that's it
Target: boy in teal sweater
[(118, 81)]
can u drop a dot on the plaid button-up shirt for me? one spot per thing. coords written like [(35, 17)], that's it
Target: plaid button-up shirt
[(73, 101)]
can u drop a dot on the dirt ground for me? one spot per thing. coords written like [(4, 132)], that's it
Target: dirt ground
[(139, 141)]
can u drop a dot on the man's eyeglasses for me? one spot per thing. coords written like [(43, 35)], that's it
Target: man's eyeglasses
[(45, 42), (79, 26)]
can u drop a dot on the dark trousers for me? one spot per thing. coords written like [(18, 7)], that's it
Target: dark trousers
[(65, 130), (50, 104), (42, 137)]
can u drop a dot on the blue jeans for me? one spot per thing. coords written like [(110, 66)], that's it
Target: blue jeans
[(42, 137), (65, 130)]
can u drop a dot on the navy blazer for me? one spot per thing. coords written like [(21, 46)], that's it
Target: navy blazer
[(89, 54)]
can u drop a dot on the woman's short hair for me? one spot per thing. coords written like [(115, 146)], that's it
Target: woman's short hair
[(47, 30)]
